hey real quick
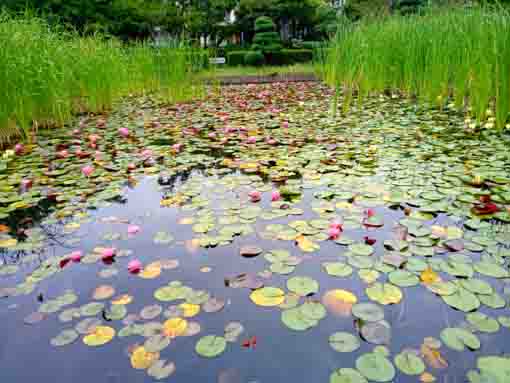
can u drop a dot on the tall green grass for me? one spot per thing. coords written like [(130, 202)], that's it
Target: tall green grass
[(47, 74), (461, 53)]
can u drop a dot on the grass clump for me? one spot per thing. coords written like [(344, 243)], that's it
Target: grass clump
[(48, 74), (459, 52)]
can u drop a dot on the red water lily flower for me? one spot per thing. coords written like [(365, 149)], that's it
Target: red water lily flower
[(485, 208), (250, 343), (370, 241)]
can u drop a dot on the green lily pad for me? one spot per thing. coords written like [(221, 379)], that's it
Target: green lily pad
[(160, 369), (462, 300), (337, 269), (369, 312), (344, 342), (403, 278), (211, 346), (482, 322), (458, 339), (64, 338), (409, 363), (303, 286), (375, 367), (361, 249), (347, 375)]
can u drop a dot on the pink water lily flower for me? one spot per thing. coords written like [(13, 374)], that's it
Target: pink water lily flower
[(108, 254), (76, 256), (211, 135), (336, 224), (124, 132), (275, 196), (19, 149), (87, 170), (93, 138), (252, 139), (285, 124), (254, 196), (177, 147), (134, 266), (334, 232), (146, 153), (63, 154), (133, 229)]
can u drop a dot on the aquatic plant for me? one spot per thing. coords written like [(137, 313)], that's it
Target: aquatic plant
[(48, 73), (462, 53)]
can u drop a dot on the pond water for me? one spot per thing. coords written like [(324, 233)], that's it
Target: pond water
[(277, 243)]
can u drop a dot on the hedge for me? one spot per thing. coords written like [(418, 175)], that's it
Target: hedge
[(254, 58), (235, 58), (283, 57)]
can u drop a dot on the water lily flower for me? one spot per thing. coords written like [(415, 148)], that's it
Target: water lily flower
[(87, 170), (336, 224), (254, 196), (370, 212), (26, 184), (275, 195), (134, 266), (63, 262), (76, 132), (93, 138), (131, 167), (108, 254), (133, 229), (334, 232), (252, 139), (124, 132), (63, 154), (76, 256), (285, 124), (271, 141), (146, 153), (370, 241), (211, 135), (19, 149), (177, 147)]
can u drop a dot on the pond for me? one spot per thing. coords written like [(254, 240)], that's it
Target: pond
[(253, 237)]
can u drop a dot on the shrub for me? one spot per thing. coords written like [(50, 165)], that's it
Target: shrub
[(290, 56), (311, 44), (254, 58), (235, 58), (266, 39)]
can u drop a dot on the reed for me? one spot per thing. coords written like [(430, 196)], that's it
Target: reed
[(48, 74), (462, 53)]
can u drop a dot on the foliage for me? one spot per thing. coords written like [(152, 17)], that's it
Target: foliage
[(459, 52), (254, 58), (48, 74), (266, 40), (236, 57)]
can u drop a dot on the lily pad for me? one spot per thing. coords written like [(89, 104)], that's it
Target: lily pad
[(458, 339), (303, 286), (211, 346), (375, 367), (344, 342)]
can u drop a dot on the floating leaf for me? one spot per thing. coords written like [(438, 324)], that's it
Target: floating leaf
[(157, 343), (141, 359), (384, 293), (64, 338), (344, 342), (175, 327), (409, 363), (211, 346), (403, 278), (232, 331), (462, 300), (369, 312), (161, 370), (123, 299), (103, 292), (99, 336), (458, 339), (482, 322), (376, 332), (151, 312), (213, 305), (347, 375), (303, 286), (339, 302), (268, 296), (375, 367), (337, 269)]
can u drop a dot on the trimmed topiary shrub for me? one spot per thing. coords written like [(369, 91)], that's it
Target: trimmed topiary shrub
[(254, 58), (235, 58), (266, 39), (295, 56)]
